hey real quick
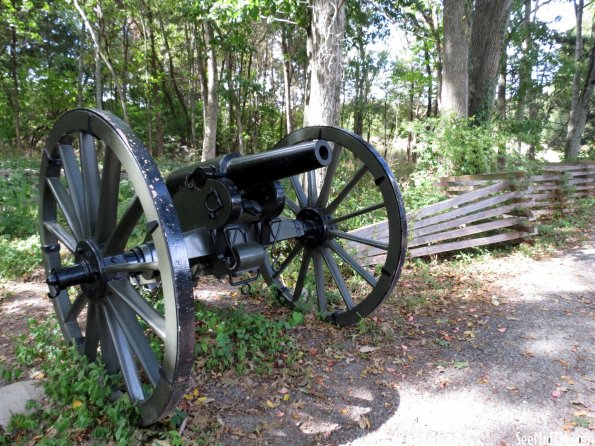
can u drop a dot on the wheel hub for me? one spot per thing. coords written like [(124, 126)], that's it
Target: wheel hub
[(87, 272), (316, 223)]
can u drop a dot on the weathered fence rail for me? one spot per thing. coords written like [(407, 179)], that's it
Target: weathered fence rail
[(486, 209)]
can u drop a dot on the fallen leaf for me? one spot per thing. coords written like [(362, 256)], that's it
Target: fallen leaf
[(271, 404), (461, 364), (501, 329), (368, 349), (364, 422)]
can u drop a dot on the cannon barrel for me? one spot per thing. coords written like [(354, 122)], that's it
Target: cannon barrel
[(279, 163), (263, 167)]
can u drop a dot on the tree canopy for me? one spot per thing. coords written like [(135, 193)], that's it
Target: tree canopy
[(227, 75)]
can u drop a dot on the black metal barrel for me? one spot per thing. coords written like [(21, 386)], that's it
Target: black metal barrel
[(279, 163), (257, 168)]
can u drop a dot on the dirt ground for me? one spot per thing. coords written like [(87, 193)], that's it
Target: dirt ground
[(500, 352)]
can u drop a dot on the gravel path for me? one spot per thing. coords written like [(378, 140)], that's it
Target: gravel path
[(531, 374)]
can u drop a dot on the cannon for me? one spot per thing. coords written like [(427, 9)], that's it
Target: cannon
[(124, 250)]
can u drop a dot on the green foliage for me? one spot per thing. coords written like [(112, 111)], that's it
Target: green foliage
[(232, 338), (19, 244), (419, 190), (18, 198), (80, 405), (457, 146), (20, 257), (10, 374)]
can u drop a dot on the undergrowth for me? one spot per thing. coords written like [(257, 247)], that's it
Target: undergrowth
[(233, 338), (78, 406)]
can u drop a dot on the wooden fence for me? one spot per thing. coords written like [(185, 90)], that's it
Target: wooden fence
[(486, 209)]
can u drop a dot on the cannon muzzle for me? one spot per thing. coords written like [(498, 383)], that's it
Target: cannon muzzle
[(279, 163)]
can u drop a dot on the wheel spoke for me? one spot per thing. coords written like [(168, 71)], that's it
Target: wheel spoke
[(91, 332), (337, 277), (108, 349), (325, 190), (299, 191), (124, 355), (319, 279), (108, 197), (353, 263), (299, 284), (312, 191), (128, 294), (137, 339), (65, 202), (294, 252), (91, 182), (75, 182), (345, 191), (62, 234), (123, 231), (367, 210), (131, 267), (292, 205), (365, 241), (76, 308)]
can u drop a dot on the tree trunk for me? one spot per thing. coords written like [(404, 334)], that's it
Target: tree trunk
[(211, 106), (429, 76), (580, 96), (98, 81), (488, 28), (455, 74), (191, 46), (105, 58), (360, 83), (125, 59), (525, 65), (501, 100), (287, 80), (155, 87), (148, 95), (173, 81), (16, 93), (324, 48), (410, 136), (81, 68)]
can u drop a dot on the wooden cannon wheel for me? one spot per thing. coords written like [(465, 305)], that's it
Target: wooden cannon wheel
[(353, 264), (100, 195)]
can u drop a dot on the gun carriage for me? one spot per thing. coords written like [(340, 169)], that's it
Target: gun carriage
[(123, 249)]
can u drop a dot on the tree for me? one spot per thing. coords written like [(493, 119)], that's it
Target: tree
[(324, 46), (581, 95), (488, 29), (455, 72)]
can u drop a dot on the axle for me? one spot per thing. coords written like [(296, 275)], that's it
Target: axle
[(224, 255)]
